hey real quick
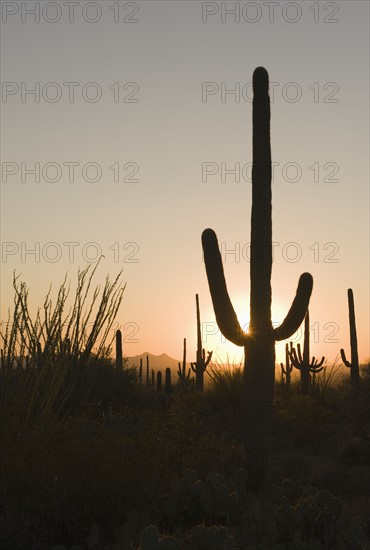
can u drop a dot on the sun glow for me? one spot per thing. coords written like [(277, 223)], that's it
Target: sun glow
[(223, 349)]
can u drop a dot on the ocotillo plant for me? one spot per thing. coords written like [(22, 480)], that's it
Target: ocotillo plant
[(201, 364), (167, 382), (183, 375), (259, 341), (302, 363), (353, 365), (285, 371), (119, 357)]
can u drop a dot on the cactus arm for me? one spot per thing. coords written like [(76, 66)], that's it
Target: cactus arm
[(298, 310), (293, 358), (225, 315), (316, 369), (352, 327), (344, 359), (209, 357), (282, 368), (194, 367), (299, 354)]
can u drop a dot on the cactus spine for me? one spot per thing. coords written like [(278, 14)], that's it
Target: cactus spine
[(119, 357), (199, 367), (302, 363), (353, 365), (183, 375), (259, 342), (285, 372)]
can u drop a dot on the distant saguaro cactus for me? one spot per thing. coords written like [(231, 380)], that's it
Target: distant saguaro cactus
[(119, 356), (141, 371), (302, 363), (286, 371), (353, 364), (159, 381), (200, 365), (182, 374), (147, 370), (167, 382), (259, 341)]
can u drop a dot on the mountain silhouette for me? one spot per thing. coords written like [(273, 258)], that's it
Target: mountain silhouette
[(156, 362)]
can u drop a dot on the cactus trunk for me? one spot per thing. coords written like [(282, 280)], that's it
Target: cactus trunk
[(305, 367), (119, 356), (159, 381), (141, 371), (168, 385), (259, 342), (201, 364), (147, 370), (353, 364)]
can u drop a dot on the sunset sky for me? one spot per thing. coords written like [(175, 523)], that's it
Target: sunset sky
[(140, 121)]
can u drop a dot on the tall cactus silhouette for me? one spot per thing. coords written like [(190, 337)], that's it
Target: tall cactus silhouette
[(259, 341), (302, 362), (200, 365), (119, 356), (353, 365), (168, 385), (181, 372)]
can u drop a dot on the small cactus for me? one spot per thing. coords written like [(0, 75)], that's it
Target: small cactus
[(119, 356), (159, 381), (302, 363), (200, 365), (353, 364), (285, 372), (167, 383), (182, 374), (147, 370), (141, 371)]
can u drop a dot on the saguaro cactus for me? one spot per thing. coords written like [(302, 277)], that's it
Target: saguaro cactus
[(302, 363), (259, 341), (183, 375), (199, 367), (141, 371), (119, 356), (159, 381), (167, 383), (285, 371), (147, 370), (353, 365)]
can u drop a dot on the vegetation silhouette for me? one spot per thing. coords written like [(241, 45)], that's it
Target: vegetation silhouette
[(353, 364), (259, 342), (199, 367), (302, 362)]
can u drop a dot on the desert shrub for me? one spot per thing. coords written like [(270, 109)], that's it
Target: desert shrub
[(227, 384)]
